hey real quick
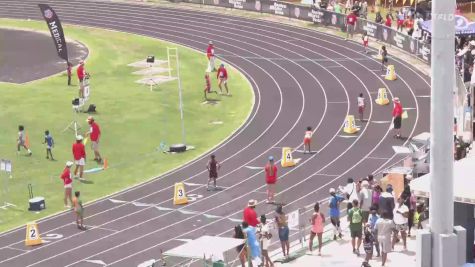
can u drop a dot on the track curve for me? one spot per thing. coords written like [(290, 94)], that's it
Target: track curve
[(300, 78)]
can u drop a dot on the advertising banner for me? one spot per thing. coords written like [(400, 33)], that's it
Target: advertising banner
[(56, 30)]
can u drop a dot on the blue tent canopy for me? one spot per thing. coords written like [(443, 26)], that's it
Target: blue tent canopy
[(462, 26)]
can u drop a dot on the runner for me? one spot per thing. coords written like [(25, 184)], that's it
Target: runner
[(355, 217), (79, 153), (21, 141), (397, 117), (350, 25), (307, 140), (79, 210), (210, 55), (222, 76), (94, 134), (361, 106), (365, 41), (208, 86), (334, 204), (49, 145), (271, 179), (213, 167), (384, 57), (317, 221), (68, 184)]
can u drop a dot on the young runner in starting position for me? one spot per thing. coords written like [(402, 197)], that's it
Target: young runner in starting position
[(307, 140), (79, 210), (213, 167), (361, 106)]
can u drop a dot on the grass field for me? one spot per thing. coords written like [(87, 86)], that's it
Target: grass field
[(133, 120)]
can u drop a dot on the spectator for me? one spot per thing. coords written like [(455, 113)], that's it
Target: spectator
[(271, 179), (373, 218), (378, 19), (386, 202), (252, 243), (356, 8), (334, 204), (368, 243), (365, 196), (417, 28), (397, 117), (348, 5), (350, 25), (388, 21), (400, 20), (401, 214), (364, 9), (264, 237), (281, 220), (337, 7), (241, 249), (355, 217), (350, 191), (409, 23), (384, 228), (376, 195), (317, 221), (250, 215), (412, 211)]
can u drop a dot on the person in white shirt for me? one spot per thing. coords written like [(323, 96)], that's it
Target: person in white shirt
[(264, 238), (307, 140), (401, 215), (361, 106), (350, 191), (365, 197), (384, 227)]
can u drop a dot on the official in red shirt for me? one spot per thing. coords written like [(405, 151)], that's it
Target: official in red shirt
[(210, 55), (81, 72), (350, 24), (250, 215), (222, 76), (271, 179), (79, 153), (94, 134), (68, 184), (397, 117)]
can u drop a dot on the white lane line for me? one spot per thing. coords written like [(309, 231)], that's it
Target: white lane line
[(96, 262), (254, 168), (348, 136), (423, 96), (380, 122), (98, 227), (378, 158), (409, 108), (183, 240), (17, 249), (338, 102), (329, 175)]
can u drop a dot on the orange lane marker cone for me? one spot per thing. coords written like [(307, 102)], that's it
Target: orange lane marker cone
[(106, 164)]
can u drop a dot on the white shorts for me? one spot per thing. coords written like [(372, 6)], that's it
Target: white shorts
[(223, 80), (68, 186), (95, 145), (80, 162)]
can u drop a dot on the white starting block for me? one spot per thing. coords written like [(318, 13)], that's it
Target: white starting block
[(149, 263)]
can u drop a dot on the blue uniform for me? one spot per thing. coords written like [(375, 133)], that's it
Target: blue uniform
[(49, 141), (252, 241), (334, 207)]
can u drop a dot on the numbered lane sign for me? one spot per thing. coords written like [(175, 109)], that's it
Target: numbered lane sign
[(33, 236), (287, 159), (179, 195)]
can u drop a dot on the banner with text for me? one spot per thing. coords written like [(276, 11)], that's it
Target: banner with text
[(56, 30)]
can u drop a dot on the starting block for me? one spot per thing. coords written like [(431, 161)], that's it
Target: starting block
[(33, 236), (350, 126), (287, 159), (179, 196), (382, 97), (390, 73)]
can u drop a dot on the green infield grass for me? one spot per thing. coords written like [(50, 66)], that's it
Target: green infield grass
[(133, 120)]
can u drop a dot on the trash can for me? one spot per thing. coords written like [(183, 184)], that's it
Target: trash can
[(218, 264)]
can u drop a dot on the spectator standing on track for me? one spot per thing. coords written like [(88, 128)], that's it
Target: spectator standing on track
[(350, 192), (334, 204), (350, 25), (307, 140), (361, 104), (365, 39), (213, 166), (386, 202), (317, 221), (401, 214), (397, 117), (384, 57), (252, 243), (68, 184), (373, 218), (79, 154), (79, 210), (94, 134), (49, 145), (81, 73), (241, 249), (355, 217), (384, 228), (222, 76), (271, 179), (22, 140), (264, 237), (365, 200), (250, 215), (210, 55), (283, 228), (69, 72)]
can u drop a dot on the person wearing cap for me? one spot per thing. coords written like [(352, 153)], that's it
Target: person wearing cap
[(222, 76), (271, 179), (94, 134), (334, 204), (397, 117), (68, 184), (210, 55), (79, 154), (81, 73), (365, 196), (249, 214), (387, 202)]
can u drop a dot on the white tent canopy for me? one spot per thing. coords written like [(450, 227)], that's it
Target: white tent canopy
[(213, 247), (464, 182)]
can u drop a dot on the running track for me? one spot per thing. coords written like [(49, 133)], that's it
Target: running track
[(300, 77)]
